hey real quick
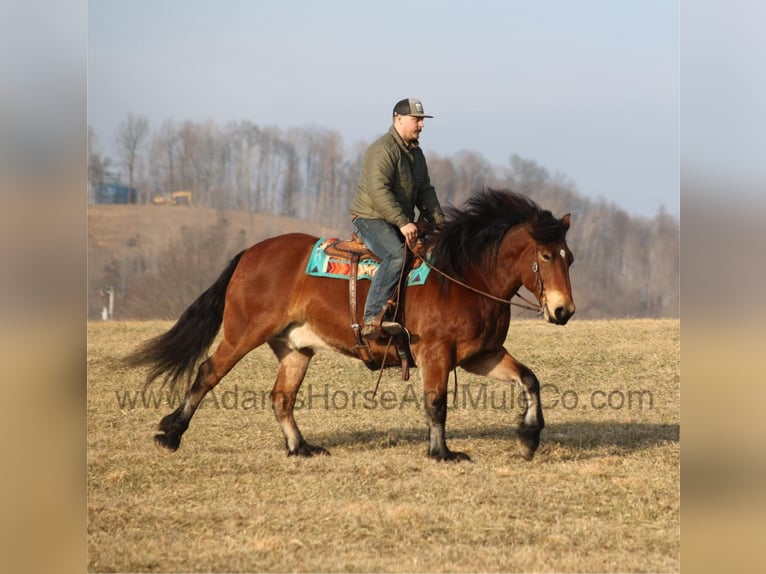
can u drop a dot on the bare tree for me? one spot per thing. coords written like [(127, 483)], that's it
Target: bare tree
[(98, 166), (131, 134), (243, 140), (626, 266), (664, 262), (472, 172), (163, 159), (441, 170), (334, 210)]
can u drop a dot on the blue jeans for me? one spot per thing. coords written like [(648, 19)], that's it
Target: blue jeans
[(386, 241)]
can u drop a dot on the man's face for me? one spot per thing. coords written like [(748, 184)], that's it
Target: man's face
[(409, 127)]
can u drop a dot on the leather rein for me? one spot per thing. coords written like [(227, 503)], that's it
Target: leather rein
[(527, 305)]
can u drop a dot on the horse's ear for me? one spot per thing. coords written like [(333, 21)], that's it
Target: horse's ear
[(565, 221)]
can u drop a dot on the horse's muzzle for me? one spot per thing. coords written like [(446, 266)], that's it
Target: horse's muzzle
[(563, 314), (560, 315)]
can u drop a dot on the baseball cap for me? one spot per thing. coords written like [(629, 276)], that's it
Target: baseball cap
[(410, 107)]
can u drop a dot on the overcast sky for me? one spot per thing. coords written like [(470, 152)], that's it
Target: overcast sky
[(588, 89)]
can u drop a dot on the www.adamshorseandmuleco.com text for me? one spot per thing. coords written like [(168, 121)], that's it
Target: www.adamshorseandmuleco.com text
[(475, 396)]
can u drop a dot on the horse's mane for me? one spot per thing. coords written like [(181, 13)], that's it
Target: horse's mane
[(472, 234)]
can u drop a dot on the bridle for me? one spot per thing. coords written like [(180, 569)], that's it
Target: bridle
[(527, 305)]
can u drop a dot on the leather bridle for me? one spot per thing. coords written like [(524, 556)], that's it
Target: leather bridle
[(527, 305)]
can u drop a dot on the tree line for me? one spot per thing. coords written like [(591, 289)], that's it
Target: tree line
[(625, 265)]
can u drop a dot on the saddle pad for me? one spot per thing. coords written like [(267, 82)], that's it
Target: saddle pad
[(323, 265)]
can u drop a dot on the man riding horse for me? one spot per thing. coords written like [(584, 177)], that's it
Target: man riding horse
[(394, 180)]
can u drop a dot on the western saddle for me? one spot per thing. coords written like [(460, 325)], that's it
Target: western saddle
[(354, 250)]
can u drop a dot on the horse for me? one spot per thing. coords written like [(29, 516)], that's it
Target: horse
[(496, 242)]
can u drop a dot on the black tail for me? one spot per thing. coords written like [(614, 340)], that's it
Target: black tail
[(175, 354)]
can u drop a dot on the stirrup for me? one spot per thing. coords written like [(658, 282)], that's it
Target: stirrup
[(375, 330), (391, 327)]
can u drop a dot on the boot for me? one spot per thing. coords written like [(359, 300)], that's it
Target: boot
[(378, 328)]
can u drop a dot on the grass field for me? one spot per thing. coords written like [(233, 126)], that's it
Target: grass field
[(602, 494)]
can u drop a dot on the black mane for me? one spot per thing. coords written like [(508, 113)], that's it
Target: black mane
[(473, 233)]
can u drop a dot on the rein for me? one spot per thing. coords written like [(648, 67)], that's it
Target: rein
[(527, 305)]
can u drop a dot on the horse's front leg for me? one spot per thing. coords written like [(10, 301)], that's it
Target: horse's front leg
[(501, 365), (435, 375)]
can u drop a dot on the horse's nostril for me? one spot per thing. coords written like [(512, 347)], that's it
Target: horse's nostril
[(561, 313)]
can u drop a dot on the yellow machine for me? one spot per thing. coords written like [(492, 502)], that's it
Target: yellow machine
[(176, 198)]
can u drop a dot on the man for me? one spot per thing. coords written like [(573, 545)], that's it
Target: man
[(394, 181)]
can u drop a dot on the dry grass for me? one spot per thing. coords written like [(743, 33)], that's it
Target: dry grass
[(601, 495)]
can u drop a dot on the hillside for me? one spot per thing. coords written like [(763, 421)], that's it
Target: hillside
[(158, 259), (127, 241)]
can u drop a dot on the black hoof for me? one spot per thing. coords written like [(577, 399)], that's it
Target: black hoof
[(450, 455), (169, 442), (305, 449), (528, 439), (173, 423), (172, 427)]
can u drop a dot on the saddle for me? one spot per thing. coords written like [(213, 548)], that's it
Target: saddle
[(348, 248), (355, 251)]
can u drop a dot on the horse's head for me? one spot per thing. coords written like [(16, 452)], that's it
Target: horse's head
[(549, 277), (511, 240)]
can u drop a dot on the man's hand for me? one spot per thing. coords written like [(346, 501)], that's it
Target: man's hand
[(410, 232)]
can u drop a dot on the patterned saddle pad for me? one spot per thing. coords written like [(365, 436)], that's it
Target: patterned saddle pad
[(328, 261)]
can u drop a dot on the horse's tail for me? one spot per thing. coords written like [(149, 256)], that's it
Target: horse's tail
[(175, 354)]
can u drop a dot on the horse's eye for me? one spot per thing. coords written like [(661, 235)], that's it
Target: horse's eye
[(547, 257)]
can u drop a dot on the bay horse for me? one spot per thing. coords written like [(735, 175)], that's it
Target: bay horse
[(497, 242)]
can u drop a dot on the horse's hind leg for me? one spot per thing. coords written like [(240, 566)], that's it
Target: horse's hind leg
[(210, 372), (293, 365)]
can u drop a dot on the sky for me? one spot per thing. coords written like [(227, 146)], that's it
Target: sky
[(588, 90)]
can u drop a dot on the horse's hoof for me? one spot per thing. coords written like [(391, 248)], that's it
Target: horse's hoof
[(451, 455), (305, 449), (167, 442), (526, 453), (528, 441)]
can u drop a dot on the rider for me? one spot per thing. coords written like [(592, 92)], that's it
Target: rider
[(394, 180)]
